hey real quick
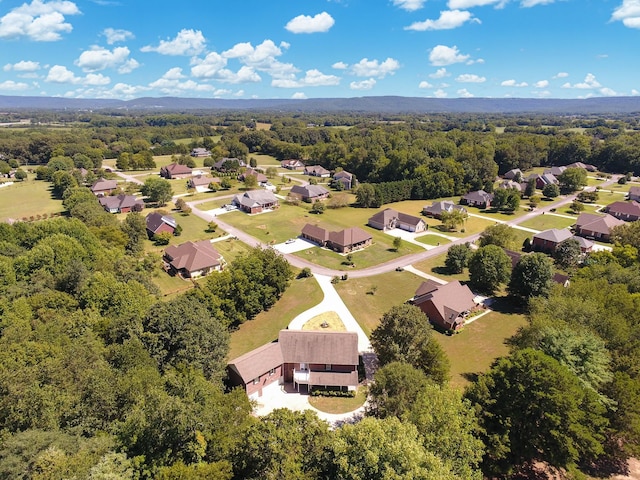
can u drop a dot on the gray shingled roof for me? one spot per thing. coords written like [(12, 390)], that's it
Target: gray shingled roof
[(337, 348)]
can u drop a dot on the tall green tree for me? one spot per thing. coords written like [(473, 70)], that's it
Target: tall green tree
[(394, 390), (158, 190), (532, 276), (499, 234), (458, 258), (572, 179), (405, 335), (135, 227), (567, 254), (489, 267)]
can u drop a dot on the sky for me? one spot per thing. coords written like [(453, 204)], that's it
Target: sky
[(320, 48)]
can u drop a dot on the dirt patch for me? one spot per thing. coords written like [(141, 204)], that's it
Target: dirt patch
[(261, 227), (633, 473)]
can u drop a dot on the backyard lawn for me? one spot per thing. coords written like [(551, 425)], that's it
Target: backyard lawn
[(545, 222), (27, 199), (435, 266), (301, 295), (339, 404)]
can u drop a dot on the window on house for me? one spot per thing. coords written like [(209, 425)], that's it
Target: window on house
[(256, 380), (327, 367), (272, 371)]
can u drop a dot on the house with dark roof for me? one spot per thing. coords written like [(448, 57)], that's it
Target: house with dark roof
[(260, 177), (201, 182), (348, 180), (309, 193), (103, 187), (555, 171), (156, 223), (306, 359), (594, 226), (121, 203), (627, 211), (588, 167), (228, 165), (256, 201), (545, 179), (634, 194), (479, 198), (175, 170), (513, 174), (200, 152), (447, 306), (193, 259), (343, 241), (388, 219), (292, 164), (436, 209), (317, 171), (548, 240)]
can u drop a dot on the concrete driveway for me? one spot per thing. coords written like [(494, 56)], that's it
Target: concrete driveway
[(298, 245)]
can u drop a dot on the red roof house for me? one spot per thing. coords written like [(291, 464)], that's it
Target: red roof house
[(447, 306), (596, 226)]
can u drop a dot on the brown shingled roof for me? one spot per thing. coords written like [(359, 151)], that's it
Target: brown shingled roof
[(338, 348), (253, 364)]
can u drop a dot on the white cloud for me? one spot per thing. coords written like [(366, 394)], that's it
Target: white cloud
[(608, 92), (261, 57), (222, 91), (127, 91), (409, 5), (541, 84), (312, 78), (533, 3), (187, 42), (39, 21), (628, 13), (373, 68), (61, 74), (464, 4), (321, 22), (513, 83), (299, 96), (22, 66), (340, 66), (13, 86), (634, 92), (470, 78), (561, 75), (116, 35), (363, 85), (424, 84), (442, 55), (209, 66), (448, 20), (98, 58), (174, 73), (464, 93), (588, 83), (440, 93), (440, 73)]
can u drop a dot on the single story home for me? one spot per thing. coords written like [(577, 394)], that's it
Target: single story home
[(479, 198), (545, 179), (260, 177), (436, 209), (103, 187), (548, 240), (255, 201), (304, 358), (309, 193), (634, 194), (175, 170), (157, 223), (447, 306), (317, 171), (555, 171), (193, 259), (588, 167), (121, 203), (627, 211), (200, 152), (388, 219), (201, 182), (292, 164), (348, 180), (343, 241), (507, 184), (225, 165), (513, 174), (596, 226)]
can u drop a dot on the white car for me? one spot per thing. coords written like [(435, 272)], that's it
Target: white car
[(291, 240)]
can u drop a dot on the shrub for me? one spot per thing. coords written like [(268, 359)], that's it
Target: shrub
[(305, 273), (335, 280), (321, 392)]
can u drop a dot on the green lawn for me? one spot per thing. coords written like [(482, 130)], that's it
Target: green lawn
[(435, 266), (545, 222), (479, 343), (301, 295), (392, 288), (339, 404), (27, 199), (266, 160), (330, 320), (433, 240)]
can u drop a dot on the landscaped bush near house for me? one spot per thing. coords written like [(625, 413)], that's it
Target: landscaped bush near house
[(325, 392)]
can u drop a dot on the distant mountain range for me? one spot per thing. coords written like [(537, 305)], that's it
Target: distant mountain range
[(385, 104)]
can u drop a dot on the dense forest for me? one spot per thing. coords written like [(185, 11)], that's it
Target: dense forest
[(100, 378)]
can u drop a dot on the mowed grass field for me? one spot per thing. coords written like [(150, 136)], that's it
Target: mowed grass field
[(546, 222), (28, 198), (301, 295)]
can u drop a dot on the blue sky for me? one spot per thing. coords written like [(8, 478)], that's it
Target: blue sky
[(320, 48)]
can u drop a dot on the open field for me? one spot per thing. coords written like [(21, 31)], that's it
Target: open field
[(545, 222), (266, 161), (393, 288), (474, 349), (27, 199), (301, 295)]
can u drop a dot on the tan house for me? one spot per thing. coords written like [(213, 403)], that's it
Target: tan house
[(200, 152), (175, 170), (303, 358), (201, 182), (436, 209), (317, 171), (309, 193), (121, 203), (479, 198), (344, 241), (260, 177), (102, 187), (388, 219), (193, 259), (348, 180), (292, 164), (255, 201), (447, 306)]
